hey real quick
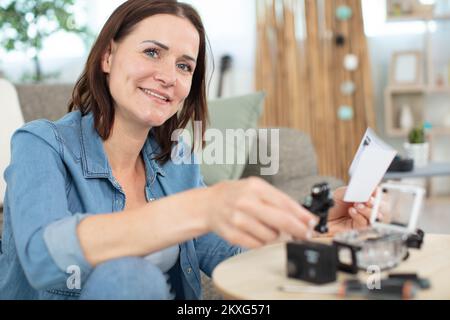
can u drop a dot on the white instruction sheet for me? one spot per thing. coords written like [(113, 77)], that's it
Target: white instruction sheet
[(368, 167)]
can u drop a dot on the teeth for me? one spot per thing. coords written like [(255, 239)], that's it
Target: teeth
[(154, 94)]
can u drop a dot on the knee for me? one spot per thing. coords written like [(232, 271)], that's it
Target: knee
[(126, 278)]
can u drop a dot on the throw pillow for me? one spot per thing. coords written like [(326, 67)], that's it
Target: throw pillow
[(241, 112)]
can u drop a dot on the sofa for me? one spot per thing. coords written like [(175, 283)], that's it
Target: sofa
[(297, 160)]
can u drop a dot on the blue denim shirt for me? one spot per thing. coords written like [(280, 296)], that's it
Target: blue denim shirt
[(58, 175)]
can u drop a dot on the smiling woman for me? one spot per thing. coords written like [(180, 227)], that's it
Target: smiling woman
[(168, 47), (149, 80), (95, 208)]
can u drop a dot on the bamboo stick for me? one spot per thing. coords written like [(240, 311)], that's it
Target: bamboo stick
[(302, 79)]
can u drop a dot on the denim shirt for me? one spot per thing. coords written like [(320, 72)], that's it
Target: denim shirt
[(59, 175)]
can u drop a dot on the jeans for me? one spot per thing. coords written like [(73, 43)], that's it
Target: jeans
[(127, 278)]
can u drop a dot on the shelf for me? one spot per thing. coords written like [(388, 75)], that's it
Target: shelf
[(400, 133), (396, 133), (407, 18), (417, 89), (407, 89), (419, 97), (443, 89), (440, 131), (415, 17)]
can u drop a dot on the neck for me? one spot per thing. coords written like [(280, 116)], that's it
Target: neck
[(124, 145)]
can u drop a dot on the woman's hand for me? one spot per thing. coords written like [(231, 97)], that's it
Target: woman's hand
[(350, 215), (251, 213)]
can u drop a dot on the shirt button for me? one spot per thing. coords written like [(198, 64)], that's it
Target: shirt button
[(189, 270), (152, 199)]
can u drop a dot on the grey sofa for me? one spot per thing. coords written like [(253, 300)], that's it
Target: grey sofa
[(297, 164)]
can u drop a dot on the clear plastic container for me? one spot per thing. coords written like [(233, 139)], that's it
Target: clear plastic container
[(384, 249)]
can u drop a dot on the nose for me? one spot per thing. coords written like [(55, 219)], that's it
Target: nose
[(166, 74)]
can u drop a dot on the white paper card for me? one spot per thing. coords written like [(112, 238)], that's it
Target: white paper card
[(368, 167)]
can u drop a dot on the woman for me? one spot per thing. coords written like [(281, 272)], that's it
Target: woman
[(96, 209)]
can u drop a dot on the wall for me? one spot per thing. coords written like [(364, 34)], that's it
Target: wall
[(230, 26), (381, 49)]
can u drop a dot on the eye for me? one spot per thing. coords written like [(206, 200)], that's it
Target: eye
[(185, 67), (152, 52)]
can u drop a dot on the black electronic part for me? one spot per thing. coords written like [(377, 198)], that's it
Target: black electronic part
[(423, 283), (397, 289), (415, 240), (319, 202), (311, 261), (401, 165)]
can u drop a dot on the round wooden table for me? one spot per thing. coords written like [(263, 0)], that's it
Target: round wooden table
[(258, 274)]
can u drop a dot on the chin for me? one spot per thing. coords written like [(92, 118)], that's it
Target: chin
[(155, 116), (156, 121), (159, 123)]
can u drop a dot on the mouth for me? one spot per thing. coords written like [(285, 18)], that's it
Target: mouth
[(156, 94)]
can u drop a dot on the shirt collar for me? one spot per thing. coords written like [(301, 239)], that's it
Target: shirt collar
[(152, 149), (95, 161)]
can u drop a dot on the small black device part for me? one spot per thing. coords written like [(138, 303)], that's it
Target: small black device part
[(311, 261), (396, 286), (415, 240), (389, 289), (401, 165), (423, 283), (352, 266), (319, 202)]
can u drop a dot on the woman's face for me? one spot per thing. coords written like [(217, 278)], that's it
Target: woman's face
[(150, 70)]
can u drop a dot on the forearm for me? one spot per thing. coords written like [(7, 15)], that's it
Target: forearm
[(144, 230)]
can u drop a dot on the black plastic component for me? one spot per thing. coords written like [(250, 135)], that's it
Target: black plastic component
[(389, 289), (423, 283), (319, 202), (351, 267), (401, 165), (311, 261), (415, 240)]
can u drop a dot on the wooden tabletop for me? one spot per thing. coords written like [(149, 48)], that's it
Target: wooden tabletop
[(258, 274)]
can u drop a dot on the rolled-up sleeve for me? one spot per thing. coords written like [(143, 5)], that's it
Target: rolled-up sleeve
[(61, 240), (44, 229), (211, 249)]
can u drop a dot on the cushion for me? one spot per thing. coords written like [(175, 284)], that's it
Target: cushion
[(241, 112), (297, 157), (11, 119), (44, 101)]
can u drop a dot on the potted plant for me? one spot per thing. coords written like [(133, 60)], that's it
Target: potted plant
[(417, 147), (25, 25)]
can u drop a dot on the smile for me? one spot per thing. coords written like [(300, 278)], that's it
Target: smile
[(159, 96)]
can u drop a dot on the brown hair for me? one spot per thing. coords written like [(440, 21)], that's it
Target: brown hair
[(91, 91)]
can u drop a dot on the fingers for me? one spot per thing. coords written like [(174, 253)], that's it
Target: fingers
[(275, 218), (278, 199), (255, 213), (359, 221), (363, 210), (238, 237), (383, 208), (254, 228)]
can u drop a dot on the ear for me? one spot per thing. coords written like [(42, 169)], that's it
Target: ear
[(107, 58)]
